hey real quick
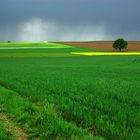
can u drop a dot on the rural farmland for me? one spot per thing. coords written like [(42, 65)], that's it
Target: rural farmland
[(103, 45), (50, 92)]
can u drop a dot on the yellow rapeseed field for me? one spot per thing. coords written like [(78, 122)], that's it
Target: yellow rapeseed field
[(106, 53)]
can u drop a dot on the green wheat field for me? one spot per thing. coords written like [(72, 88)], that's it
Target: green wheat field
[(49, 93)]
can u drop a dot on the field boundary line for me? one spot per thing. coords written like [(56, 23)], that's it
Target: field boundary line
[(16, 48), (8, 87)]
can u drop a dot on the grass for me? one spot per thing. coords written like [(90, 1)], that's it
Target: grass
[(27, 44), (39, 122), (73, 97), (13, 50), (4, 135)]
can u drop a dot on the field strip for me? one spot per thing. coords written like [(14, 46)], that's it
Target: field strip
[(30, 55), (15, 48), (105, 53), (11, 127)]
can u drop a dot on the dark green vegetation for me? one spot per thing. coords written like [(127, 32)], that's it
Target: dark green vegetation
[(73, 97), (120, 44)]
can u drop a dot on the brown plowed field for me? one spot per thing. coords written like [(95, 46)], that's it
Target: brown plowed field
[(107, 46)]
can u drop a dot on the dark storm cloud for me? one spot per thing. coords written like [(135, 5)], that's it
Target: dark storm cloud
[(71, 19)]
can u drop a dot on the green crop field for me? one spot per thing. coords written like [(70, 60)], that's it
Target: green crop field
[(51, 94)]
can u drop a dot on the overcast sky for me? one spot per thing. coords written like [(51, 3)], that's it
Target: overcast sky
[(69, 20)]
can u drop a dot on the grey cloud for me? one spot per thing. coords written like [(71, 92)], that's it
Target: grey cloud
[(71, 19)]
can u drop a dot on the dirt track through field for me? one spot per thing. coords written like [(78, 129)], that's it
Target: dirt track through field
[(99, 45), (12, 128)]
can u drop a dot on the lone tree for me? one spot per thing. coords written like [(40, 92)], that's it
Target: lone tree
[(120, 44)]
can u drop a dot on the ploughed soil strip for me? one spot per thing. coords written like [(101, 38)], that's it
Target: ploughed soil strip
[(103, 45), (11, 127)]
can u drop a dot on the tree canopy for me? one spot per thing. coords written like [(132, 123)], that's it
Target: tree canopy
[(120, 44)]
